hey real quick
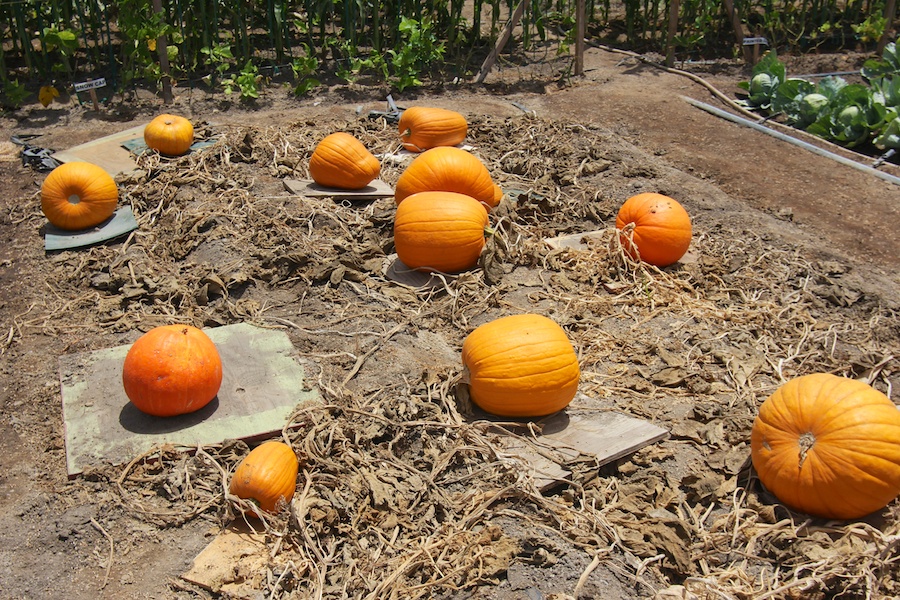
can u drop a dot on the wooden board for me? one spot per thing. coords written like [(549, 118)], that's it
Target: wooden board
[(232, 562), (119, 224), (601, 435), (107, 152), (398, 272), (305, 187), (262, 385)]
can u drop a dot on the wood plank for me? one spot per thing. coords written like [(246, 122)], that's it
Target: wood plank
[(107, 152), (501, 41), (305, 187), (233, 563), (262, 385)]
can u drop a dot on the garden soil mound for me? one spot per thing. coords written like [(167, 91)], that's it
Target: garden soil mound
[(404, 491)]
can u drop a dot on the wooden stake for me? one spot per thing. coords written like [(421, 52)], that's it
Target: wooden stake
[(889, 10), (738, 30), (579, 37), (93, 94), (674, 6), (501, 41)]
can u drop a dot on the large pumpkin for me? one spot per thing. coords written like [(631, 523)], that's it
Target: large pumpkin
[(439, 231), (422, 128), (341, 161), (171, 135), (78, 195), (828, 446), (660, 228), (266, 475), (447, 169), (172, 370), (521, 366)]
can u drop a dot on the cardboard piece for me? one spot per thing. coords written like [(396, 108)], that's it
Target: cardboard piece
[(305, 187), (575, 241), (121, 222), (232, 562), (262, 385)]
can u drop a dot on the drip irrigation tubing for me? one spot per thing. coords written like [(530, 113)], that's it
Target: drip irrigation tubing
[(791, 140)]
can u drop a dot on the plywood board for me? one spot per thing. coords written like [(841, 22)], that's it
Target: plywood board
[(121, 222), (107, 152), (398, 272), (604, 436), (305, 187), (262, 385)]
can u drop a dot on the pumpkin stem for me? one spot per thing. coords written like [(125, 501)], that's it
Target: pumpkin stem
[(806, 441), (490, 231), (406, 133)]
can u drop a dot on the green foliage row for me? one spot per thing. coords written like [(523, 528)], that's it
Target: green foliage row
[(238, 45), (850, 114)]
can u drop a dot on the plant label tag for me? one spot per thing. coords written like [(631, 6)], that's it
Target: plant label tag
[(756, 41), (90, 85)]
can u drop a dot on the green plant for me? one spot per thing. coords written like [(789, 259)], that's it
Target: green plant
[(303, 69), (14, 93), (247, 81), (64, 41), (416, 50), (220, 58), (140, 26)]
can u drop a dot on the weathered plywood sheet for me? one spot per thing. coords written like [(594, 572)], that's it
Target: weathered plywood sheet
[(107, 152), (119, 224), (305, 187), (262, 385)]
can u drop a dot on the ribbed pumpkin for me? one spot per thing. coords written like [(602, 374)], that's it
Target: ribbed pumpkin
[(661, 228), (172, 370), (422, 128), (78, 195), (266, 475), (171, 135), (828, 446), (341, 161), (447, 169), (439, 231), (521, 366)]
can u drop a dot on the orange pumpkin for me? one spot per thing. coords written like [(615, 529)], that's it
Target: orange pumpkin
[(341, 161), (171, 135), (266, 475), (660, 228), (439, 231), (521, 366), (447, 169), (172, 370), (78, 195), (422, 128), (828, 446)]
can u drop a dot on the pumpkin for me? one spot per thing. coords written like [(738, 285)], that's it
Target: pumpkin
[(439, 231), (828, 446), (172, 370), (341, 161), (171, 135), (266, 475), (422, 128), (521, 366), (447, 169), (78, 195), (660, 228)]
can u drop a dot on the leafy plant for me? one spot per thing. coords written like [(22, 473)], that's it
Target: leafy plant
[(64, 41), (247, 82), (14, 93), (304, 68), (417, 49)]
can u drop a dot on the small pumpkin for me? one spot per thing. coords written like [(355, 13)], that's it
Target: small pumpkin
[(447, 169), (266, 475), (828, 446), (660, 228), (172, 370), (439, 231), (342, 161), (521, 366), (171, 135), (422, 128), (78, 195)]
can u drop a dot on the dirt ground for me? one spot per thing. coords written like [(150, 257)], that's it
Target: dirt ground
[(792, 270)]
